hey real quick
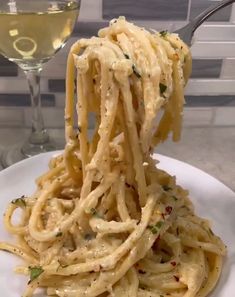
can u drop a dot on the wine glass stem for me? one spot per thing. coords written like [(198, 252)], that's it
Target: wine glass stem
[(38, 135)]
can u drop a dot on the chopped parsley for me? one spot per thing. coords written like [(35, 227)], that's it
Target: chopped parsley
[(135, 71), (176, 278), (162, 88), (166, 188), (59, 234), (127, 56), (88, 236), (141, 271), (163, 33), (35, 272), (155, 228), (20, 202), (175, 198), (93, 211)]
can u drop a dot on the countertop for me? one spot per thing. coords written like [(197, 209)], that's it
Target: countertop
[(211, 149)]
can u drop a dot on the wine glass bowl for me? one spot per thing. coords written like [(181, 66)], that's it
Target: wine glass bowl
[(31, 33)]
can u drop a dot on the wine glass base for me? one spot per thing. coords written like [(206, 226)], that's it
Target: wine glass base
[(1, 166), (19, 153), (12, 156), (29, 150)]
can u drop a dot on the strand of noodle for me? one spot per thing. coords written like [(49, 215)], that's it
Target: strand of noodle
[(110, 261), (151, 266), (142, 38), (103, 141), (28, 250), (145, 293), (133, 140), (138, 251), (82, 253), (82, 119), (121, 204), (177, 101), (107, 201), (212, 277), (133, 282), (64, 225), (69, 106), (92, 199), (193, 227), (51, 253), (164, 281), (190, 242), (68, 158), (127, 146), (14, 229), (36, 210), (19, 251), (87, 183), (121, 288), (108, 117), (104, 227), (166, 123), (127, 48), (69, 111), (50, 174)]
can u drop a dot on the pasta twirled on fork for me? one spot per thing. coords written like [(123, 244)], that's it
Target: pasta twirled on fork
[(105, 220)]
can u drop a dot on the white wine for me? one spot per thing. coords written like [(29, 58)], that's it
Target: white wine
[(31, 32)]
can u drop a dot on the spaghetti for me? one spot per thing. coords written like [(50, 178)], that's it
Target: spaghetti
[(105, 221)]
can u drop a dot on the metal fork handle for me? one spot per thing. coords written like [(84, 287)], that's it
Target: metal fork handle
[(202, 17), (186, 32)]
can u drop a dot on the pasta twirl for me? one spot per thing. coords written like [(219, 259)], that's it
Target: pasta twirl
[(105, 220)]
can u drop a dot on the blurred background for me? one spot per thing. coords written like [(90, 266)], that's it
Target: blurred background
[(209, 118)]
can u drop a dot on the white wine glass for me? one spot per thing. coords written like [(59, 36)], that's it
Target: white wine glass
[(31, 33)]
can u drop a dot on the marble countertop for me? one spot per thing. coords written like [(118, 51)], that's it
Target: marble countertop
[(211, 149)]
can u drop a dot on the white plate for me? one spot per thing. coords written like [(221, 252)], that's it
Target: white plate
[(211, 198)]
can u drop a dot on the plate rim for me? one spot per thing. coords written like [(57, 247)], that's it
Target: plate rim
[(159, 157), (155, 156)]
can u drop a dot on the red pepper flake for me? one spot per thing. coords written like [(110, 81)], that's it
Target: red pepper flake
[(156, 242), (168, 210), (176, 278), (136, 265), (163, 216), (141, 271), (173, 263)]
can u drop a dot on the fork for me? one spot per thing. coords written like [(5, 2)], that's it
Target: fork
[(186, 32)]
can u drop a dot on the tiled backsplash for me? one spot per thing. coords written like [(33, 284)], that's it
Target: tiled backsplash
[(197, 6), (161, 10), (212, 84)]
